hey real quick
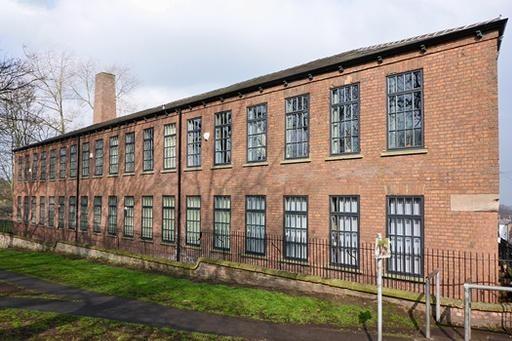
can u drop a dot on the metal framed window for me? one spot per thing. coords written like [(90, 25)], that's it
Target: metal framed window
[(60, 212), (84, 210), (63, 160), (297, 127), (35, 166), (85, 159), (345, 119), (112, 215), (257, 133), (405, 231), (296, 227), (42, 176), (98, 157), (33, 210), (19, 168), (255, 224), (221, 222), (405, 110), (194, 142), (72, 161), (170, 146), (344, 230), (113, 155), (72, 213), (129, 153), (223, 138), (148, 149), (168, 218), (97, 212), (26, 175), (42, 210), (129, 216), (51, 211), (26, 209), (193, 221), (19, 209), (147, 217), (53, 164)]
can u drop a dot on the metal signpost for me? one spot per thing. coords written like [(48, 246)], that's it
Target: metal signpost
[(382, 250)]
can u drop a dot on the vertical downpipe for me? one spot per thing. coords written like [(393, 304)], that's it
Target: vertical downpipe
[(77, 199), (178, 224)]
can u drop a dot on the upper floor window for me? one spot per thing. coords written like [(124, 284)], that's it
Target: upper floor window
[(148, 149), (63, 159), (129, 153), (170, 146), (72, 161), (35, 166), (19, 168), (296, 227), (43, 166), (194, 142), (85, 159), (297, 127), (223, 138), (113, 155), (344, 211), (345, 119), (257, 133), (53, 163), (405, 110), (26, 172), (98, 158), (147, 217)]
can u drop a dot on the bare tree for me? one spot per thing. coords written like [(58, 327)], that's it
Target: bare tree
[(13, 77)]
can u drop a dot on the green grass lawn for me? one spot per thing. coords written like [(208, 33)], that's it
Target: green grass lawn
[(215, 298)]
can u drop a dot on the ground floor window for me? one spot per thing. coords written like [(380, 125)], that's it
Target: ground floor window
[(42, 210), (147, 217), (405, 231), (72, 213), (18, 209), (344, 230), (60, 212), (193, 223), (222, 222), (33, 208), (255, 224), (26, 209), (168, 218), (96, 223), (296, 227), (129, 208), (84, 207), (51, 211), (112, 215)]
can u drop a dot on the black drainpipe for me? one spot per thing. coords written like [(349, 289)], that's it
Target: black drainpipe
[(178, 227), (77, 200)]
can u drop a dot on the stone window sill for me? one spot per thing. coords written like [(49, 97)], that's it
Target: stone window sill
[(344, 157), (129, 174), (112, 175), (292, 161), (147, 173), (193, 169), (166, 171), (404, 152), (222, 167), (255, 164), (168, 243)]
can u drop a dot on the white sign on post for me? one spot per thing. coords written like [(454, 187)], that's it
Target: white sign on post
[(382, 250)]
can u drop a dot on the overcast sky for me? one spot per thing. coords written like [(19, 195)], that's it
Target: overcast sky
[(181, 48)]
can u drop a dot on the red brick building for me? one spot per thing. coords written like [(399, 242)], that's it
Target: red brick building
[(399, 138)]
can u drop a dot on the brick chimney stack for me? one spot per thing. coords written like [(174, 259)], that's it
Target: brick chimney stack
[(104, 97)]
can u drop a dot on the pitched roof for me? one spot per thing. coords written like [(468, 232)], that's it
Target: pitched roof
[(319, 66)]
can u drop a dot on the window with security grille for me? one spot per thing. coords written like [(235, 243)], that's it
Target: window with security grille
[(97, 211), (113, 155), (42, 176), (26, 209), (255, 224), (98, 158), (35, 166), (85, 159), (344, 230), (19, 209), (112, 215), (405, 110), (72, 213), (297, 127), (223, 138), (129, 153), (60, 212), (296, 227), (193, 221), (168, 218), (148, 149), (405, 231), (42, 210), (51, 211), (53, 164), (33, 210), (63, 161), (147, 217), (84, 209), (170, 146), (222, 222), (194, 142), (72, 161), (345, 119), (257, 133), (129, 216)]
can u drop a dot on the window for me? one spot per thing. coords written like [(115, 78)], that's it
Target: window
[(147, 217), (129, 214), (19, 209), (53, 163), (344, 229), (129, 153), (85, 159), (42, 210), (60, 212), (193, 228), (35, 166), (222, 222), (194, 142), (297, 122), (96, 221), (72, 213), (63, 160), (43, 166), (26, 175), (168, 218), (33, 210), (296, 227), (113, 155), (255, 224), (257, 133), (26, 209), (84, 208), (98, 158), (19, 168), (51, 211), (405, 110), (72, 161), (170, 146), (148, 149), (345, 119), (112, 215), (223, 138), (405, 231)]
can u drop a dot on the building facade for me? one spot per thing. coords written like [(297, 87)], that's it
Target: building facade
[(399, 139)]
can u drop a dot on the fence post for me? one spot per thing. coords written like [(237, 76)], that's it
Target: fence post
[(427, 308), (438, 296), (467, 313)]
